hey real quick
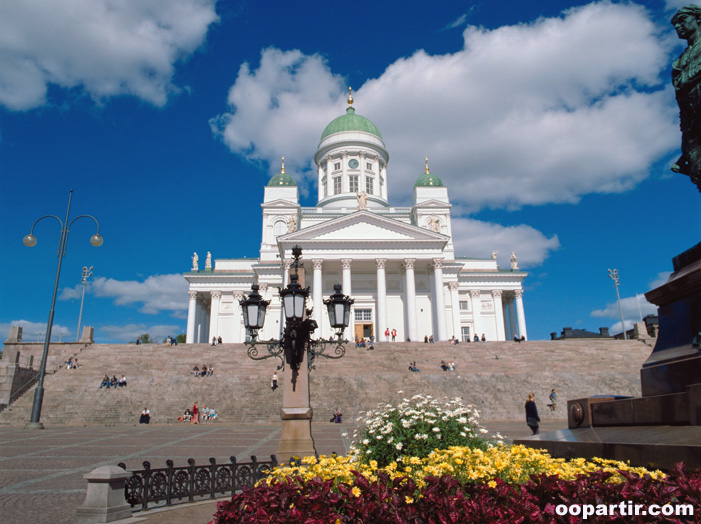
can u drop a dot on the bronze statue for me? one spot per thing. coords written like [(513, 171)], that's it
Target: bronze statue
[(686, 77)]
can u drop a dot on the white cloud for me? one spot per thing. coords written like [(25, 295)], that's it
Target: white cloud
[(36, 331), (660, 279), (522, 115), (156, 293), (676, 4), (104, 47), (478, 239), (129, 332), (632, 307)]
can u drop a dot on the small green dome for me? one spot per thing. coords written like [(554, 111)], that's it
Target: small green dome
[(282, 179), (351, 122), (428, 179)]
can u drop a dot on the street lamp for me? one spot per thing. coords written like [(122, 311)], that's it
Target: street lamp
[(87, 273), (613, 274), (30, 241), (296, 342)]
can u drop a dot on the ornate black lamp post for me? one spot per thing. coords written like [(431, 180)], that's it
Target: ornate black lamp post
[(296, 415), (30, 241)]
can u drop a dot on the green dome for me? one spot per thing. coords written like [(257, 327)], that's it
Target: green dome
[(351, 122), (428, 179), (282, 179)]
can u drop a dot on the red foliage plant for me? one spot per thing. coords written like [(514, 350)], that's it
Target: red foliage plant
[(443, 500)]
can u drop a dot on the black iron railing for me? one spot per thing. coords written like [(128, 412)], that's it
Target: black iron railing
[(172, 483)]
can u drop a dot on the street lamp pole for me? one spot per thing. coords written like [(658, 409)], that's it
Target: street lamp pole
[(30, 241), (613, 274), (87, 273)]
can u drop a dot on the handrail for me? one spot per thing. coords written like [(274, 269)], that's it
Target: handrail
[(29, 382)]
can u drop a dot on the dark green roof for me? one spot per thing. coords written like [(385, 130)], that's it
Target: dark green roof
[(428, 179), (282, 179), (351, 122)]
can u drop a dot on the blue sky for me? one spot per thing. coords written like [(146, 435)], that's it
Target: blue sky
[(553, 125)]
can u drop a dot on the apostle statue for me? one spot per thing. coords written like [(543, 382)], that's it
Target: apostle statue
[(195, 262), (292, 223), (494, 254), (514, 259), (434, 223), (208, 261), (686, 78), (362, 200)]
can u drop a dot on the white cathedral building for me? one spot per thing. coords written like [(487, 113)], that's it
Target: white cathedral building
[(398, 263)]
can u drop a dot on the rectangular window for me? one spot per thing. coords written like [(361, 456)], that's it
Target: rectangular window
[(336, 185), (465, 333), (464, 305), (353, 183), (369, 185), (337, 166), (363, 315), (368, 166)]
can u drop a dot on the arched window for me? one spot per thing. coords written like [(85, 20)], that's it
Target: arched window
[(279, 228)]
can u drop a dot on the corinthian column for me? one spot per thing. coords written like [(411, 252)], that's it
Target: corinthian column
[(347, 290), (476, 311), (411, 299), (455, 301), (520, 315), (214, 315), (238, 295), (381, 300), (317, 291), (440, 298), (191, 314), (499, 314)]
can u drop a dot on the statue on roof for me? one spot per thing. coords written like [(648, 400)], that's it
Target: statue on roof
[(434, 223), (514, 261), (292, 223), (362, 200), (686, 78), (494, 254), (208, 261), (195, 262)]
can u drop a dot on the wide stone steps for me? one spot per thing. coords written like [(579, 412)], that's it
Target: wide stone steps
[(494, 376)]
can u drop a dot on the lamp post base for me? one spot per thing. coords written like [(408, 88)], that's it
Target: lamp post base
[(34, 425), (296, 440)]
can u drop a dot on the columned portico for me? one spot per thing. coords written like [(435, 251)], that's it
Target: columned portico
[(381, 309), (347, 290), (476, 311), (520, 314), (499, 314), (191, 313), (317, 289), (455, 303), (412, 330), (440, 297)]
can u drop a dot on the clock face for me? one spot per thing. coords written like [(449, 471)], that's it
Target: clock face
[(353, 163)]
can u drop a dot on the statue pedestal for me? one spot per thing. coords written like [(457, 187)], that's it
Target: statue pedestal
[(664, 425), (296, 414)]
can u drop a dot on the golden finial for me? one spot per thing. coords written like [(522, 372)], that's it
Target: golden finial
[(427, 171), (350, 98), (283, 165)]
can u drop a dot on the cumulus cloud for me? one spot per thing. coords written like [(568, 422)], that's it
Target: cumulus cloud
[(36, 331), (155, 294), (129, 332), (660, 279), (104, 47), (536, 113), (474, 238), (632, 307)]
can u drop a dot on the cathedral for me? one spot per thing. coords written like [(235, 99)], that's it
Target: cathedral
[(397, 263)]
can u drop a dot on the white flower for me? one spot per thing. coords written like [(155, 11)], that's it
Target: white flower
[(436, 430), (483, 431), (366, 441), (399, 446)]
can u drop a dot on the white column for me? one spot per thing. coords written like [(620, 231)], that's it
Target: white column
[(191, 314), (505, 316), (317, 295), (411, 299), (512, 318), (476, 312), (347, 290), (214, 315), (238, 295), (381, 309), (520, 315), (499, 314), (455, 301), (440, 298)]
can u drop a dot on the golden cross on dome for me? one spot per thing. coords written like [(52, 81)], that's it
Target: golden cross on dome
[(283, 165), (427, 171), (350, 97)]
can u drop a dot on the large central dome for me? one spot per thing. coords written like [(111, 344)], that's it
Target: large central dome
[(350, 122)]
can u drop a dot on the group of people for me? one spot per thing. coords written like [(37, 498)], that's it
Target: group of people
[(413, 368), (204, 372), (447, 366), (108, 382), (217, 341), (392, 333), (478, 339), (72, 364), (171, 341), (454, 340), (532, 418), (428, 339), (197, 415), (522, 338), (363, 343), (337, 417)]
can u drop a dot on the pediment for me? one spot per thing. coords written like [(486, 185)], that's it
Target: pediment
[(433, 203), (366, 227), (280, 203)]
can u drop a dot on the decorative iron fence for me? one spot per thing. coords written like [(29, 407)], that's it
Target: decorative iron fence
[(170, 483)]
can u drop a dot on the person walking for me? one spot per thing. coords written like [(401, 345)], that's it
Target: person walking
[(273, 384), (532, 418), (195, 415), (553, 400)]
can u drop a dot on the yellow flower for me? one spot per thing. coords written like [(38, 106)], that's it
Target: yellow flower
[(409, 500), (492, 484), (356, 491)]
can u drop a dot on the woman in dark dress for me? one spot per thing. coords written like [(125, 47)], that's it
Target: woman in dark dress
[(532, 418)]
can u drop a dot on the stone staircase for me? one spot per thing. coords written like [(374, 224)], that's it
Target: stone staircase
[(494, 376)]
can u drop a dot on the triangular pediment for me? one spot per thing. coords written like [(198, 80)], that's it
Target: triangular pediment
[(363, 226), (433, 203), (280, 203)]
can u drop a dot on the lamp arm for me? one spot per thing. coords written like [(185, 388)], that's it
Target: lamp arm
[(42, 218), (86, 216)]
